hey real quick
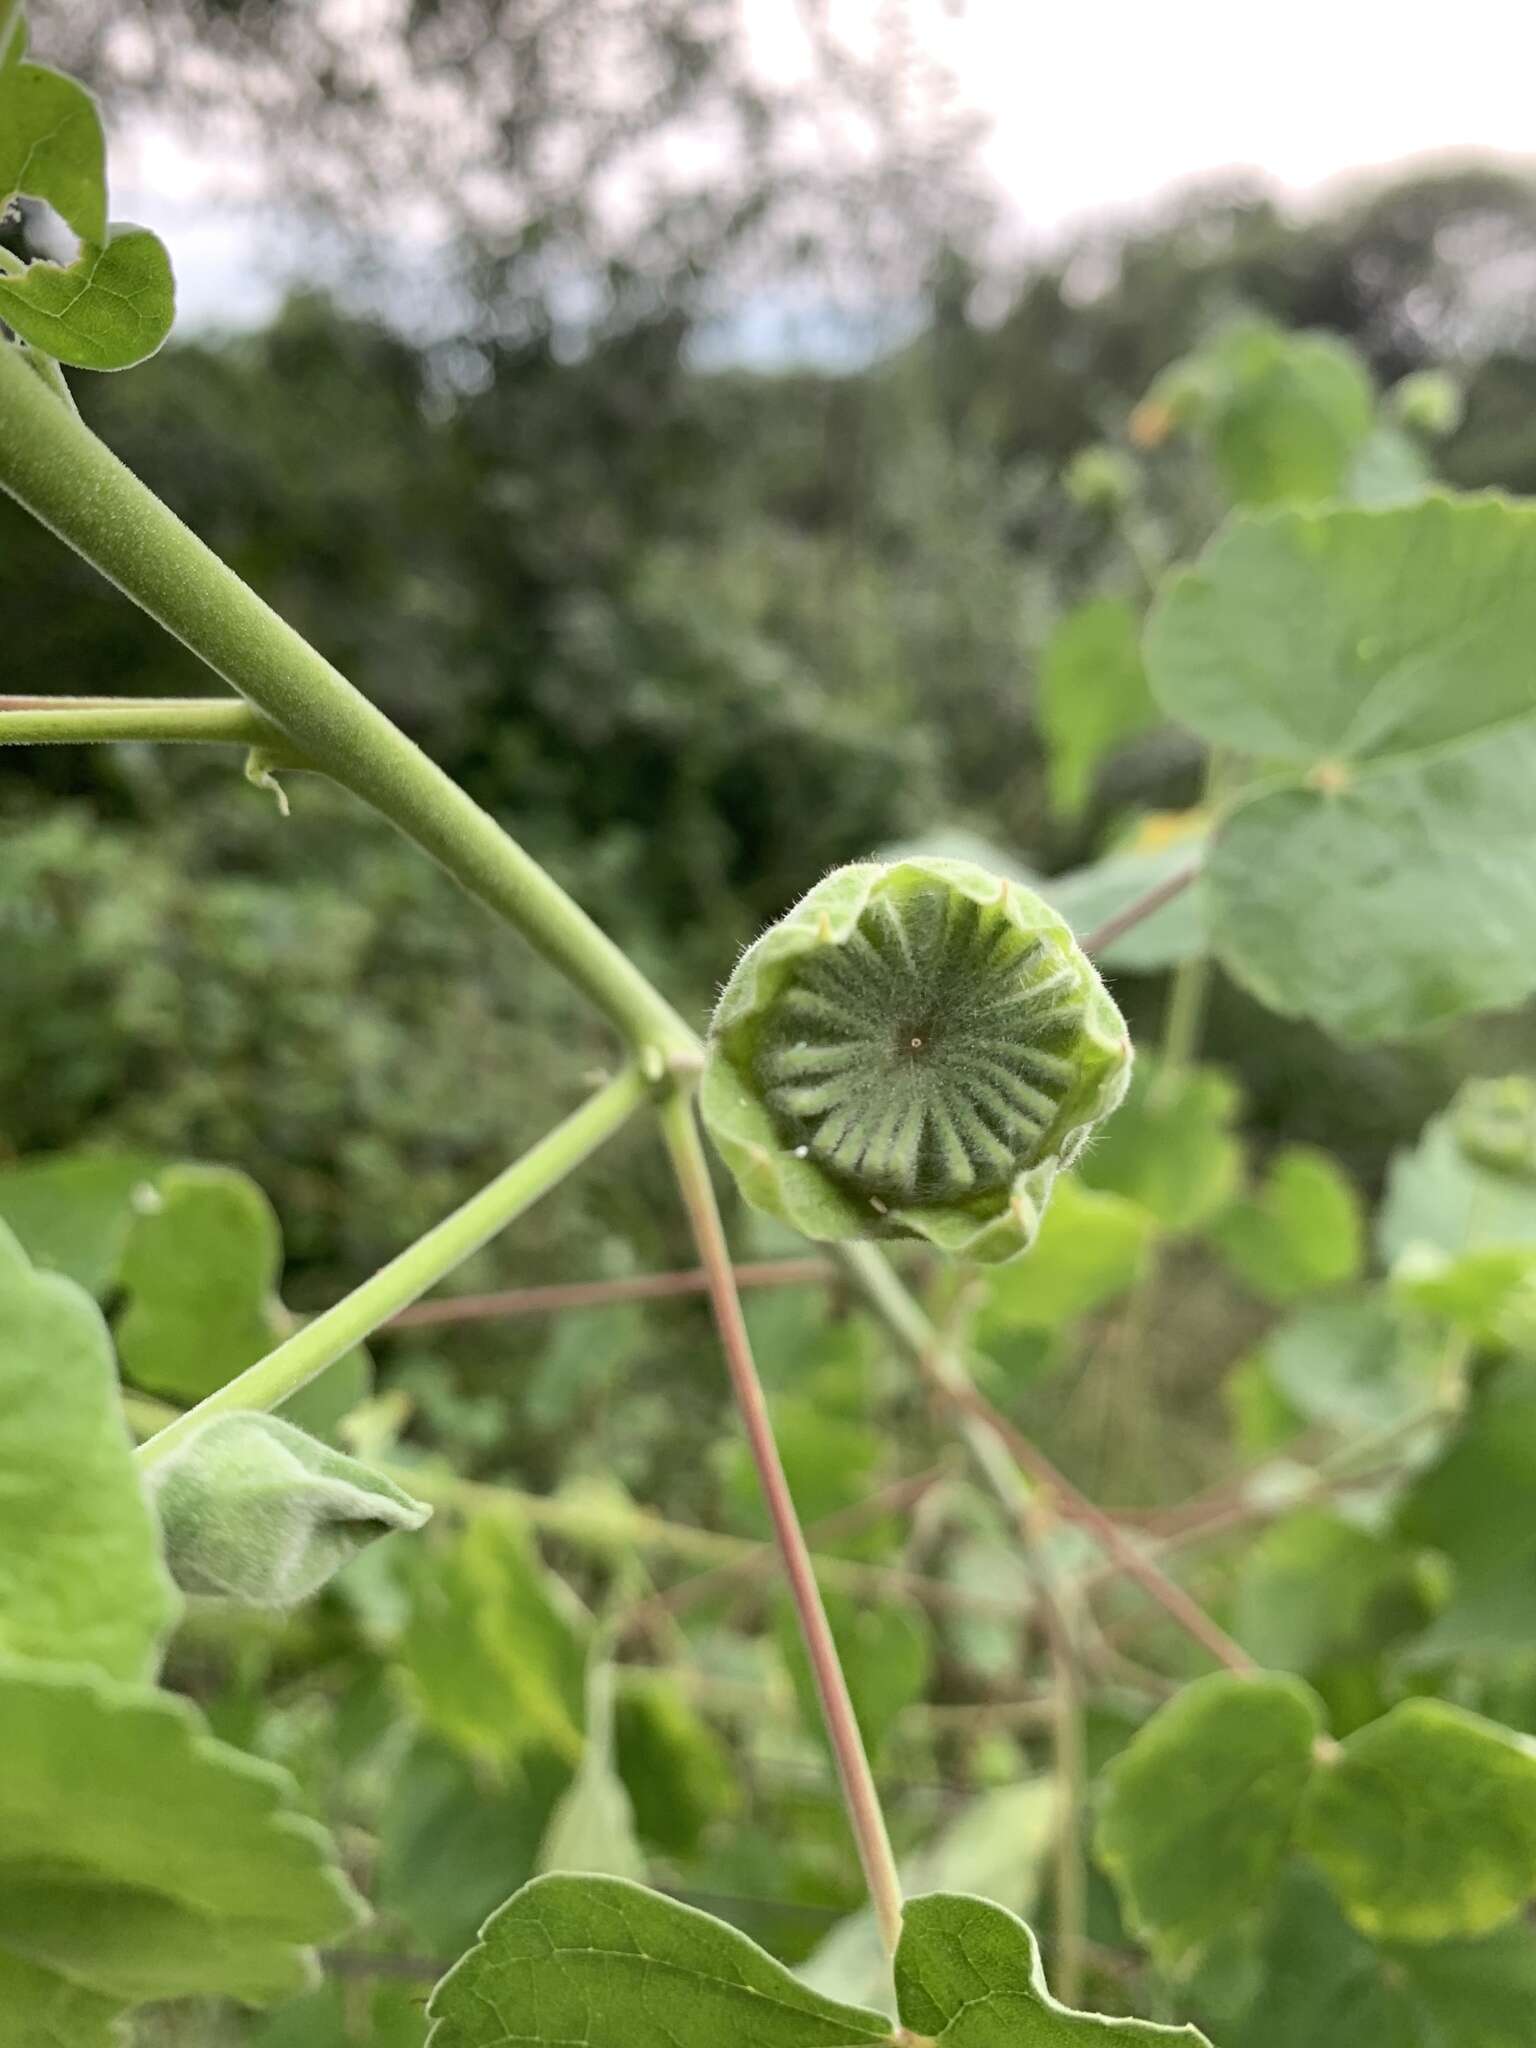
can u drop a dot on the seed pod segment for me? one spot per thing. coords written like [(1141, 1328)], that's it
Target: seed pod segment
[(913, 1050)]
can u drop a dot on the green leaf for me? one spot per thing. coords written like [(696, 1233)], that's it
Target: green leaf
[(678, 1773), (140, 1859), (1093, 694), (968, 1975), (1474, 1503), (1088, 897), (1353, 1363), (598, 1961), (72, 1212), (491, 1653), (1325, 1985), (52, 147), (1425, 1824), (1303, 1230), (593, 1827), (200, 1272), (1170, 1146), (43, 2011), (1388, 469), (996, 1849), (886, 1651), (1199, 1808), (255, 1511), (81, 1578), (109, 309), (1092, 1246), (1314, 1589), (1378, 663), (1440, 1198)]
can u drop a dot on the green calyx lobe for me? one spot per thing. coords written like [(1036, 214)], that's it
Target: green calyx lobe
[(914, 1047)]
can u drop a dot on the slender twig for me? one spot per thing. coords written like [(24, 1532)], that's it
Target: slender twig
[(576, 1294), (858, 1784), (1067, 1740), (301, 1357), (1137, 912), (1000, 1447), (72, 721)]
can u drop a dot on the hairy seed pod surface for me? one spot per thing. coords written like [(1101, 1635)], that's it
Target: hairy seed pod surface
[(913, 1050)]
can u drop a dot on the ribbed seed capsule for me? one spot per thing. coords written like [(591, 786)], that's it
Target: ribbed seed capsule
[(914, 1049)]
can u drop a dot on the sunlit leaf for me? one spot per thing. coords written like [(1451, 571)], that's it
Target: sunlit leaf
[(109, 309), (52, 148), (1425, 1824)]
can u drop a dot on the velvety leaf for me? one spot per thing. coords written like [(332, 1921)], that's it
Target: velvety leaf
[(200, 1272), (1199, 1808), (601, 1962), (1170, 1147), (51, 147), (81, 1577), (109, 309), (255, 1511), (43, 2010), (140, 1859), (1301, 1232), (1093, 694), (1425, 1824), (491, 1653), (1092, 1246), (1376, 662), (72, 1211), (968, 1975), (996, 1849)]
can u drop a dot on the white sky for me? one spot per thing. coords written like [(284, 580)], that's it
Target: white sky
[(1094, 106)]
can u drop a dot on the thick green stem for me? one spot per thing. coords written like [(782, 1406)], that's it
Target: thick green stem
[(52, 464), (858, 1784), (72, 721), (332, 1335)]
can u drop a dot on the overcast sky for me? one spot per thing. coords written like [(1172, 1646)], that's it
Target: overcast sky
[(1093, 109)]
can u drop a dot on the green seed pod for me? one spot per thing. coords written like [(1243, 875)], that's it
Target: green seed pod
[(1495, 1124), (254, 1510), (912, 1051)]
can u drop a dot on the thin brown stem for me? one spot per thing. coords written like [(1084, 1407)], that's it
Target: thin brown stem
[(857, 1780), (1138, 911), (578, 1294)]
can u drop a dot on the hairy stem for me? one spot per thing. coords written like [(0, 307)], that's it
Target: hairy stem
[(69, 721), (332, 1335), (855, 1776), (54, 466)]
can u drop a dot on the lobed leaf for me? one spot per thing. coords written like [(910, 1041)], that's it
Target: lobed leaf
[(968, 1975), (1200, 1808), (1425, 1824), (140, 1859), (81, 1577), (1377, 663)]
